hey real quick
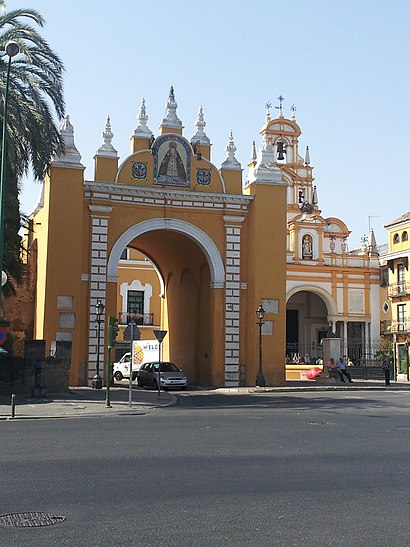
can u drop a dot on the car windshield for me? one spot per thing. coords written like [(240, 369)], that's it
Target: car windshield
[(167, 367)]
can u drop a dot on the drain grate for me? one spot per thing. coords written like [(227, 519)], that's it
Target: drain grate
[(29, 519)]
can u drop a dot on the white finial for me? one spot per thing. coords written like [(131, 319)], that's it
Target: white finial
[(253, 157), (200, 136), (307, 156), (142, 129), (107, 148), (71, 155), (372, 247), (314, 198), (231, 162), (171, 119), (268, 106)]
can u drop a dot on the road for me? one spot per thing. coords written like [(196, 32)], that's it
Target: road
[(275, 469)]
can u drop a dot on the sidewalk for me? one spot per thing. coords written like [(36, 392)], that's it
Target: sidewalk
[(85, 401)]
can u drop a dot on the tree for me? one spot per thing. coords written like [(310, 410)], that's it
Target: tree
[(35, 103)]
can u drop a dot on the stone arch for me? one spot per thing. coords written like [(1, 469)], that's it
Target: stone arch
[(193, 232), (324, 295)]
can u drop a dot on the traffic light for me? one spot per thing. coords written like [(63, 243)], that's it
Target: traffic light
[(113, 329)]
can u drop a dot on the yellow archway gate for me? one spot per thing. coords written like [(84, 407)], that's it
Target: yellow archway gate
[(220, 250)]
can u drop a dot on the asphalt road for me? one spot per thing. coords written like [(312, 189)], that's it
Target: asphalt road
[(294, 469)]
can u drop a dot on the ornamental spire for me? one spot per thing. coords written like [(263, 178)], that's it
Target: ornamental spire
[(200, 136), (253, 156), (171, 119), (107, 149), (307, 156), (231, 162), (142, 129), (71, 156)]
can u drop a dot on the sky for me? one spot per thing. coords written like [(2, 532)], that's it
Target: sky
[(344, 64)]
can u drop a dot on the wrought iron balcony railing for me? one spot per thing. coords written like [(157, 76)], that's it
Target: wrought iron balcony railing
[(398, 289), (139, 318), (392, 327)]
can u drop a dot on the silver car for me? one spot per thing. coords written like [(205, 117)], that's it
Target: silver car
[(171, 375)]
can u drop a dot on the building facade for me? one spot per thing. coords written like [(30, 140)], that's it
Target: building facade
[(182, 245), (396, 278)]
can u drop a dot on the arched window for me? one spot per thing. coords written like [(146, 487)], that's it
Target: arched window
[(396, 238), (404, 236)]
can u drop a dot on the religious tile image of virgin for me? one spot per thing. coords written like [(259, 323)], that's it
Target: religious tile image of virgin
[(172, 162)]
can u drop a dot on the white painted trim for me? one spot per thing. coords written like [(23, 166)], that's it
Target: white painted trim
[(193, 232), (327, 297)]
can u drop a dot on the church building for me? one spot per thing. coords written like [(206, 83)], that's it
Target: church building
[(168, 237)]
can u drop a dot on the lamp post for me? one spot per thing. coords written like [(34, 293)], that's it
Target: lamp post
[(99, 310), (159, 335), (11, 49), (260, 314)]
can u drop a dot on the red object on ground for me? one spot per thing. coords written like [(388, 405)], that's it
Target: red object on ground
[(312, 373)]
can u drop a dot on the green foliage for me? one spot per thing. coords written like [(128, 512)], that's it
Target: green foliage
[(35, 101)]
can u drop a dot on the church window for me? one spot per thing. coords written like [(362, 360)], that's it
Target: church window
[(396, 238), (404, 236)]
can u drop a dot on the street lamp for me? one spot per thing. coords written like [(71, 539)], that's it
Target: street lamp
[(260, 314), (11, 49), (99, 310)]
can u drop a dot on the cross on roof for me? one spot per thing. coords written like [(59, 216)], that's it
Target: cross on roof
[(280, 99), (268, 106)]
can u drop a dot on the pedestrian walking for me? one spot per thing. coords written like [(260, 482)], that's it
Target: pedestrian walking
[(386, 370), (342, 366)]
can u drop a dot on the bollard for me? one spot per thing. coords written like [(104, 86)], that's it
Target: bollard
[(13, 405)]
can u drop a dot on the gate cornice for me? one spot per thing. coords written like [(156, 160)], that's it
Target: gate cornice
[(125, 193), (209, 248)]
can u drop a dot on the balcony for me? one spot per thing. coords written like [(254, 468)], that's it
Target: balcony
[(395, 327), (396, 290), (146, 319)]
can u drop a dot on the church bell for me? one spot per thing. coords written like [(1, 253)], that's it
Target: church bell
[(281, 151)]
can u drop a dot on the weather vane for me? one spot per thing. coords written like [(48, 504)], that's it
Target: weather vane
[(280, 99), (268, 106), (293, 110)]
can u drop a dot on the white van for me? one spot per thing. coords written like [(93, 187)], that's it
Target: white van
[(144, 351)]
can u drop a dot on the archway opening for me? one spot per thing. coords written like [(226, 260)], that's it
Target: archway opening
[(166, 278), (306, 326)]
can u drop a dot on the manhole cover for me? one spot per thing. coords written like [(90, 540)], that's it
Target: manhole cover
[(29, 519)]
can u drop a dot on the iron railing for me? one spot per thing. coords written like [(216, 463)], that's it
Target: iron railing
[(391, 327), (395, 290), (139, 318)]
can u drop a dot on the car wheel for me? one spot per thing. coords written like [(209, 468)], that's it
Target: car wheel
[(118, 376), (134, 377), (154, 384)]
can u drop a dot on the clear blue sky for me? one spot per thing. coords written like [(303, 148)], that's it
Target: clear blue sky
[(343, 63)]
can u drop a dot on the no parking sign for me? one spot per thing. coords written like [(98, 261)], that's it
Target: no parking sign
[(3, 335)]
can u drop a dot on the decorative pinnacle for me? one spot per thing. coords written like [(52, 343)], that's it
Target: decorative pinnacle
[(200, 135), (280, 108), (107, 149), (307, 156), (171, 118), (254, 156), (268, 106), (293, 110), (142, 129), (231, 162)]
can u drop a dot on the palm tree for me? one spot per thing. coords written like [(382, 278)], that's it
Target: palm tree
[(35, 104)]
